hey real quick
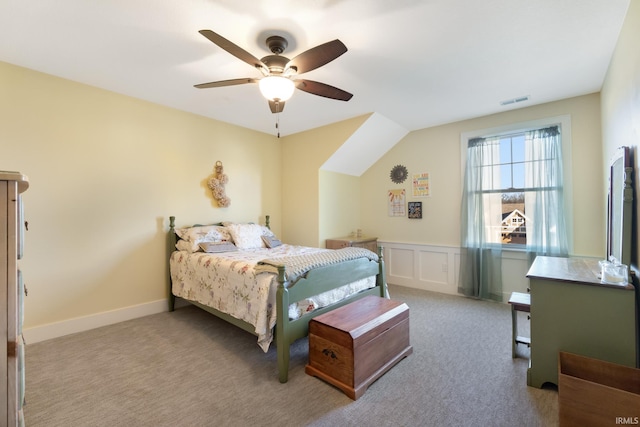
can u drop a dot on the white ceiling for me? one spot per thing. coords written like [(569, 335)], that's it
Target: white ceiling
[(418, 63)]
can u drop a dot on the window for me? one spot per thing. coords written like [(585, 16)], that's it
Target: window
[(513, 195), (514, 190), (510, 169)]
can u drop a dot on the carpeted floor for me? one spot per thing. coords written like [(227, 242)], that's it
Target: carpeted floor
[(188, 368)]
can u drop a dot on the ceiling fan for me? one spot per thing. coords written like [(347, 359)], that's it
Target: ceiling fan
[(278, 83)]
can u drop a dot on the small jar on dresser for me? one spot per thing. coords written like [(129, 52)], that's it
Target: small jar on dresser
[(12, 380), (366, 242)]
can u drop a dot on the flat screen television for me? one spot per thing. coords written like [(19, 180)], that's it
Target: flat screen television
[(620, 203)]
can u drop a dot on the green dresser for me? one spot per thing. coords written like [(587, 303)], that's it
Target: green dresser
[(572, 311)]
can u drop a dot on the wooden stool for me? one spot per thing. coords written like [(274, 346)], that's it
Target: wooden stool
[(519, 302)]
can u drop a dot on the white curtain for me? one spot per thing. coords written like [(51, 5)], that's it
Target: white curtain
[(481, 215), (546, 226)]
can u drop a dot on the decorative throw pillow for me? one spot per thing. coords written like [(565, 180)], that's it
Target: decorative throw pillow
[(184, 245), (246, 236), (215, 247), (193, 236), (271, 241), (197, 233)]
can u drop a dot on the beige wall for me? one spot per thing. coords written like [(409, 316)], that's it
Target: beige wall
[(106, 171), (436, 150), (302, 156), (339, 205), (621, 106)]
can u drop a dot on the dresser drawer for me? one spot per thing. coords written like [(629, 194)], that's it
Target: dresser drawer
[(370, 243), (20, 302), (337, 244)]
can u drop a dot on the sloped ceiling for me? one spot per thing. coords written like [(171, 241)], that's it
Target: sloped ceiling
[(368, 144)]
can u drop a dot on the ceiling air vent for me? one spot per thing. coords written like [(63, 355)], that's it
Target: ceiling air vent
[(514, 100)]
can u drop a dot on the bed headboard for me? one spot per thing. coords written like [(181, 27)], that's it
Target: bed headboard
[(173, 237)]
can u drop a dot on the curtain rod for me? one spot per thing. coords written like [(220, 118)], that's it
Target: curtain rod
[(512, 134)]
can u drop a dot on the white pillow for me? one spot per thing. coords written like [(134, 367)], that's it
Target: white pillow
[(246, 236), (265, 230)]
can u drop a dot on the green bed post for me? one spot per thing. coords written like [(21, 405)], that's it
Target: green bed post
[(282, 330), (172, 245), (381, 280)]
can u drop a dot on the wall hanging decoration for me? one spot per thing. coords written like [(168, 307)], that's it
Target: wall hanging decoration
[(421, 185), (399, 174), (217, 183), (415, 210), (395, 200)]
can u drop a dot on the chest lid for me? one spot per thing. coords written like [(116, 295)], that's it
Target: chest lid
[(364, 315)]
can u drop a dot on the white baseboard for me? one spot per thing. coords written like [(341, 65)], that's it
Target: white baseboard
[(85, 323)]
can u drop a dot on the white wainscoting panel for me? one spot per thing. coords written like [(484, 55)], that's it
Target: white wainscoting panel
[(436, 268), (400, 263), (433, 266)]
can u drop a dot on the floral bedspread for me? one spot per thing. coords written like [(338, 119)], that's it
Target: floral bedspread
[(230, 283)]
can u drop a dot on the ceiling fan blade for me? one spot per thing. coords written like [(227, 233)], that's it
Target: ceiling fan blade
[(233, 49), (322, 89), (276, 107), (222, 83), (317, 56)]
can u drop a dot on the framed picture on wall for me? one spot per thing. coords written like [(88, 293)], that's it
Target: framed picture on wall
[(421, 185), (415, 210), (395, 201)]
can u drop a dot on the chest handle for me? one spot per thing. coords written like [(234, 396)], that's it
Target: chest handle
[(328, 352)]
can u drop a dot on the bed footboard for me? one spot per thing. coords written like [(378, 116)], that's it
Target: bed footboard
[(315, 282)]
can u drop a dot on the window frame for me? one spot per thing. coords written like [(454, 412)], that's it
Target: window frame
[(564, 122)]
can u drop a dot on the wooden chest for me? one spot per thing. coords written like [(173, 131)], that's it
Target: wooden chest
[(354, 345)]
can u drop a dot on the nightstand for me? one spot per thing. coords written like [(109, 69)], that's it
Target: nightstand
[(370, 243)]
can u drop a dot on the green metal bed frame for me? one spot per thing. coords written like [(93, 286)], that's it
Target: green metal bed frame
[(313, 283)]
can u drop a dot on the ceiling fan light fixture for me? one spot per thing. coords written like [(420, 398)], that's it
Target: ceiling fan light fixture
[(276, 88), (279, 72)]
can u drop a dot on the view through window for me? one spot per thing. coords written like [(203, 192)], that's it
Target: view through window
[(508, 171), (512, 161)]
